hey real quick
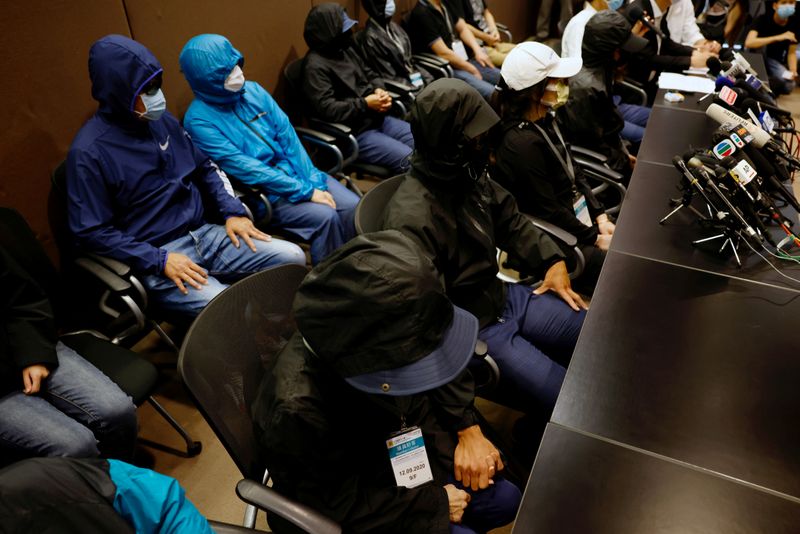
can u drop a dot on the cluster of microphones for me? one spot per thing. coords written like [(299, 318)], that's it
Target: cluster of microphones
[(744, 179)]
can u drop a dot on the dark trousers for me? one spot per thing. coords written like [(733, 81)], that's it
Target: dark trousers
[(489, 508)]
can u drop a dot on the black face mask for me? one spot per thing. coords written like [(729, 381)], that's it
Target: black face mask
[(343, 42), (477, 151)]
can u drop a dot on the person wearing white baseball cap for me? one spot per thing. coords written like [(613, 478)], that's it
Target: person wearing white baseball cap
[(532, 160)]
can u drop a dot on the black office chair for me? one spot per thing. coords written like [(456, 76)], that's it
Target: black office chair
[(607, 184), (134, 375), (344, 140), (230, 346)]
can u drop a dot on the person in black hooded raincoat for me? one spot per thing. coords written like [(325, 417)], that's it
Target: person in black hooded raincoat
[(340, 87), (385, 46), (590, 117), (460, 216), (380, 350)]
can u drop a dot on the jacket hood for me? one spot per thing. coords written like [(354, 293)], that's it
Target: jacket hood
[(446, 115), (323, 26), (206, 61), (119, 68), (376, 9), (605, 32)]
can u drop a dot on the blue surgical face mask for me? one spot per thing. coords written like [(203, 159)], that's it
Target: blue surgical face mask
[(785, 11), (614, 5), (154, 105), (389, 9)]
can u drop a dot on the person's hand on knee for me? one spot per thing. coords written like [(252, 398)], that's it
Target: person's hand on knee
[(244, 228), (323, 197), (557, 280), (458, 501), (179, 268), (476, 459), (32, 378)]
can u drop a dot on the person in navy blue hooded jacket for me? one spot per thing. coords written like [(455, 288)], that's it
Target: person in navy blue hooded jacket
[(137, 185), (239, 125)]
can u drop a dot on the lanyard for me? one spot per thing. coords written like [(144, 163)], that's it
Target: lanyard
[(446, 17), (567, 165)]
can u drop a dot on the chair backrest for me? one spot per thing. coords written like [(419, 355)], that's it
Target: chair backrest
[(370, 210), (295, 106), (230, 346)]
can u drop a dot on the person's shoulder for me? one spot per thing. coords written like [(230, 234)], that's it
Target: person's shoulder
[(92, 132)]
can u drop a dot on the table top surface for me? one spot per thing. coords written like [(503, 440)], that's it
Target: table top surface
[(582, 484)]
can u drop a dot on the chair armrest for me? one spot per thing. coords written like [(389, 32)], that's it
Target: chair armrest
[(332, 128), (398, 87), (110, 279), (591, 154), (504, 31), (555, 231), (298, 514), (431, 58), (115, 266), (314, 134), (600, 171), (634, 87)]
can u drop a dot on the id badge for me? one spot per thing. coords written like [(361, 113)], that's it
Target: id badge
[(460, 50), (582, 210), (416, 79), (409, 458)]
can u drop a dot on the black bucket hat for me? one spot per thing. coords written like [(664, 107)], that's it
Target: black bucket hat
[(376, 312)]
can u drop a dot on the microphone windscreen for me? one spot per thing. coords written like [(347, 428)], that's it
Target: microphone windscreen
[(723, 81), (726, 54), (714, 65)]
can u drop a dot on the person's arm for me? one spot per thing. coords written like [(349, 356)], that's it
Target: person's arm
[(319, 92), (491, 23), (90, 216), (247, 169), (28, 318), (754, 41), (463, 31), (440, 49), (791, 59), (482, 35)]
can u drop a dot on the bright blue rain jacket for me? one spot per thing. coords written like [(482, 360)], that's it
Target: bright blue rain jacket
[(246, 132), (134, 185)]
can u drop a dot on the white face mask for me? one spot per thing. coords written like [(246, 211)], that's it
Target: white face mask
[(389, 9), (154, 105), (235, 80)]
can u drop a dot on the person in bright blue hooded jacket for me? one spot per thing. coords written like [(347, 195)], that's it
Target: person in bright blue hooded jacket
[(239, 125), (137, 185)]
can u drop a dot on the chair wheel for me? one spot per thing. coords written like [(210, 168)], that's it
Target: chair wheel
[(194, 449)]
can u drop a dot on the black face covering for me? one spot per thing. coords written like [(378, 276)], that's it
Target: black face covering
[(477, 152)]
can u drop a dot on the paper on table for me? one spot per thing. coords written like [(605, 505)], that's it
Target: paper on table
[(689, 84), (697, 71)]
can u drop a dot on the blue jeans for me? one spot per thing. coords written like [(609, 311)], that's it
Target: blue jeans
[(488, 508), (775, 71), (491, 76), (636, 118), (211, 248), (326, 228), (532, 344), (389, 146), (77, 406)]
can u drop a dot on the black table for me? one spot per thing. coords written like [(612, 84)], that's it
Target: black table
[(582, 484), (672, 132), (691, 365), (639, 232)]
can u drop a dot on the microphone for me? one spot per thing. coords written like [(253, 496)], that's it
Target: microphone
[(755, 94), (724, 116), (726, 54), (723, 81), (715, 66), (635, 13), (757, 107)]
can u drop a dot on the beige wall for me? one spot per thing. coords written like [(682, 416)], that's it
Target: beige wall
[(45, 93)]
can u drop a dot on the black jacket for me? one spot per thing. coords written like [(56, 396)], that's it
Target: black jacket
[(526, 166), (46, 496), (335, 79), (669, 56), (385, 46), (28, 333), (324, 443)]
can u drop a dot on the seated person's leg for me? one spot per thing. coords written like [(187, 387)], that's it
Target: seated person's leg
[(346, 202), (491, 75), (228, 263), (398, 129), (775, 71), (485, 89), (632, 132), (317, 223), (81, 391), (549, 323), (32, 426), (638, 115), (378, 148), (492, 507)]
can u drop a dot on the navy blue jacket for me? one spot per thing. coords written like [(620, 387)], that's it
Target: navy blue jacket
[(136, 185)]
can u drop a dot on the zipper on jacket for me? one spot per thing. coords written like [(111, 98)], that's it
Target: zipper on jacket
[(250, 127)]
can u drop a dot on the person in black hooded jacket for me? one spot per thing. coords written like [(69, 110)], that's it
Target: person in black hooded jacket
[(460, 216), (380, 351), (340, 87), (590, 118), (386, 48)]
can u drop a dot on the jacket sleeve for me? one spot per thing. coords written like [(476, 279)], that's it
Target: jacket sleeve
[(213, 182), (27, 317), (454, 403), (91, 216), (673, 57), (245, 168), (517, 236), (293, 149), (319, 92), (527, 165), (596, 207)]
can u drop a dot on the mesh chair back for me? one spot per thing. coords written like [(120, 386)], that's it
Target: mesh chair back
[(230, 346), (370, 210)]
